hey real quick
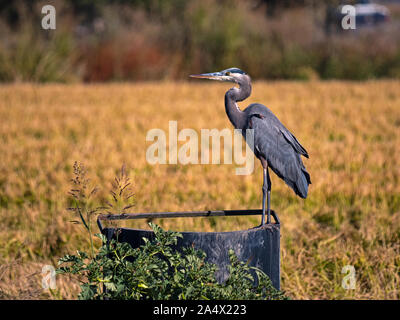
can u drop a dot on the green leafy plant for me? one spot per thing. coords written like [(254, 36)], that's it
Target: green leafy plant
[(157, 271)]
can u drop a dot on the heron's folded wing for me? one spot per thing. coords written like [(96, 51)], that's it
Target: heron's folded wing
[(294, 142), (281, 154)]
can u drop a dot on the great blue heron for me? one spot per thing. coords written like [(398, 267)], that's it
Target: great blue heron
[(274, 145)]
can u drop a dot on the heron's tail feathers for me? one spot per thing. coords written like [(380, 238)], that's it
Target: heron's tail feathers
[(294, 174), (299, 181), (301, 185)]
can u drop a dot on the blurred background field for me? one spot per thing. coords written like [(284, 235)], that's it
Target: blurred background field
[(342, 102), (169, 39), (351, 217)]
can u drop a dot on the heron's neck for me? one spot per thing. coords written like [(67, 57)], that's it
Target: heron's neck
[(235, 115)]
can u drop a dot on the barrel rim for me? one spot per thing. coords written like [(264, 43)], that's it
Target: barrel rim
[(187, 214)]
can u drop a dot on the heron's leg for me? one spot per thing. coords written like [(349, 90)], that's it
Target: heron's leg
[(268, 198), (264, 190)]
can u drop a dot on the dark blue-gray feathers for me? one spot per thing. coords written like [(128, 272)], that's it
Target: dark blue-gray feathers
[(279, 147)]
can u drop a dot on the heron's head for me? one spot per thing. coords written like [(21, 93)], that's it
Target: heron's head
[(229, 75)]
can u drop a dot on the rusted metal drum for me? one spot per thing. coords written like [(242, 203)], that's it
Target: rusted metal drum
[(259, 247)]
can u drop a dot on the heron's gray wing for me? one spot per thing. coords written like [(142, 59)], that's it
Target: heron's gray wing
[(293, 141), (282, 157)]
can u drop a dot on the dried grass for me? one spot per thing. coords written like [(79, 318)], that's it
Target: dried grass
[(351, 131)]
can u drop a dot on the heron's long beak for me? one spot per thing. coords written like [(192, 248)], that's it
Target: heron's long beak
[(212, 76)]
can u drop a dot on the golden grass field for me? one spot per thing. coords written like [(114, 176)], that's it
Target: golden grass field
[(352, 215)]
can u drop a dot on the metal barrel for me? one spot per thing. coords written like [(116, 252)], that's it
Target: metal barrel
[(259, 246)]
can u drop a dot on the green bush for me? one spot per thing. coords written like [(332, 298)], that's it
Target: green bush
[(156, 271)]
